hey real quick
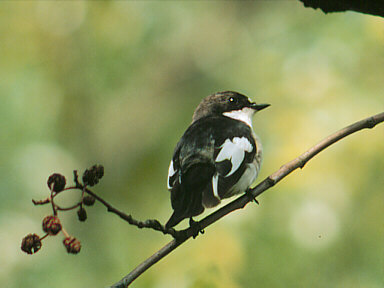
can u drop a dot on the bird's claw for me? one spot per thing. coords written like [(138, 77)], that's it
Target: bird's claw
[(250, 196), (196, 228)]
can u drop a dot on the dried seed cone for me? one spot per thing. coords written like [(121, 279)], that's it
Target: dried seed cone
[(72, 245), (31, 243), (89, 200), (82, 214), (99, 170), (92, 175), (58, 181), (51, 225)]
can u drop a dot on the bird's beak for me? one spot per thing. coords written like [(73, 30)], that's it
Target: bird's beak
[(259, 107)]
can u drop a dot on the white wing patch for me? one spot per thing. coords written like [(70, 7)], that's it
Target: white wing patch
[(234, 151), (215, 187), (171, 172)]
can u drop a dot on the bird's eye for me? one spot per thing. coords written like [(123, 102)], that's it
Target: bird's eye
[(232, 100)]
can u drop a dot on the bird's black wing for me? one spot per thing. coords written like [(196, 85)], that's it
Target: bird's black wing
[(190, 171), (209, 158), (231, 159)]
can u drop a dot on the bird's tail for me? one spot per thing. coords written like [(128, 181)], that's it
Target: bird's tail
[(186, 196), (174, 220)]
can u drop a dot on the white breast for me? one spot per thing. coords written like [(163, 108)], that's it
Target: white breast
[(245, 181)]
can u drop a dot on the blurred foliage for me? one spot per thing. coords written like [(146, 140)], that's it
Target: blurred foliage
[(117, 82)]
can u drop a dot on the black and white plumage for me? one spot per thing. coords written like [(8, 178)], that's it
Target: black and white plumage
[(218, 156)]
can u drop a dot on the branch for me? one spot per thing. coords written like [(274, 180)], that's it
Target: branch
[(52, 224), (373, 7), (150, 223), (240, 202)]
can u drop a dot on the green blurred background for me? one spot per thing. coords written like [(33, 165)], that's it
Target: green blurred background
[(116, 83)]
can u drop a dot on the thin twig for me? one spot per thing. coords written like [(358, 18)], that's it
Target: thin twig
[(41, 202), (240, 202), (150, 223), (54, 209)]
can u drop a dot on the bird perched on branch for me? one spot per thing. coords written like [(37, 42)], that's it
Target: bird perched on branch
[(218, 156)]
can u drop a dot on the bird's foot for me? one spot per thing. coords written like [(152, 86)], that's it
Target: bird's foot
[(196, 228), (250, 196)]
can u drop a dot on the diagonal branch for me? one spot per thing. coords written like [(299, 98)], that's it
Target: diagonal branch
[(240, 202)]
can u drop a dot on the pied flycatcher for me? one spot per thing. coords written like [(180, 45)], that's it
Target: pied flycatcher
[(218, 156)]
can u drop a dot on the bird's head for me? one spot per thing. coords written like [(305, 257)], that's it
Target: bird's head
[(230, 104)]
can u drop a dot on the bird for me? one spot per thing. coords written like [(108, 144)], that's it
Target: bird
[(217, 157)]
